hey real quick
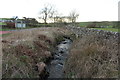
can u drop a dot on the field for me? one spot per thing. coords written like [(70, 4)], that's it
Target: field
[(2, 23), (108, 29), (7, 29), (102, 23), (108, 26)]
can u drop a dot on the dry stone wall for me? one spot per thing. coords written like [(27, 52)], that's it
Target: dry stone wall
[(80, 32), (106, 60)]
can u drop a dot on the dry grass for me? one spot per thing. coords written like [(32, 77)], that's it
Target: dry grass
[(93, 57), (22, 50)]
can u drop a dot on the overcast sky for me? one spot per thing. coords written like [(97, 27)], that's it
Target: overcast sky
[(89, 10)]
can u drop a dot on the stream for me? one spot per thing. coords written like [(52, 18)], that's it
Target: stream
[(56, 65)]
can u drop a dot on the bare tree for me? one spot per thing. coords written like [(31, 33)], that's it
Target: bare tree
[(47, 12), (73, 16)]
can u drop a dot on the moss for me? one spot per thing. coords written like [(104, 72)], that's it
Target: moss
[(59, 39), (70, 75), (112, 73)]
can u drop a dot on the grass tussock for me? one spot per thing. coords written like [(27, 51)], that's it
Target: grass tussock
[(93, 57), (23, 49)]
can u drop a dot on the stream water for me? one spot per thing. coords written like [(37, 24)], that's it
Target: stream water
[(56, 65)]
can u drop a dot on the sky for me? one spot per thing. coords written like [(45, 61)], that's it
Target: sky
[(89, 10)]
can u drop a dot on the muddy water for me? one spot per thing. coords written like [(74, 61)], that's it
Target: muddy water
[(56, 65)]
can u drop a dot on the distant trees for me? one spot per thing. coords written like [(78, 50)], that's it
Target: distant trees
[(30, 21), (61, 19), (73, 16), (47, 12), (116, 24)]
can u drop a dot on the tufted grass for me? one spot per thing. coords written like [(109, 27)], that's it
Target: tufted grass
[(23, 49), (93, 56), (2, 23)]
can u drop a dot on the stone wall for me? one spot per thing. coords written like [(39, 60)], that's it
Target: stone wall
[(80, 31), (95, 54)]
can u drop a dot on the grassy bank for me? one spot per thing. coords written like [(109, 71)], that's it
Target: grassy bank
[(23, 50), (93, 56)]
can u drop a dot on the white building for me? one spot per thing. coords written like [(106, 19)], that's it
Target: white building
[(20, 24)]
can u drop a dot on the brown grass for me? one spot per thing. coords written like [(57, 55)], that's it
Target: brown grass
[(22, 50), (93, 57)]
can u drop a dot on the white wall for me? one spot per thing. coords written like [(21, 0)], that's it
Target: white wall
[(20, 25)]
